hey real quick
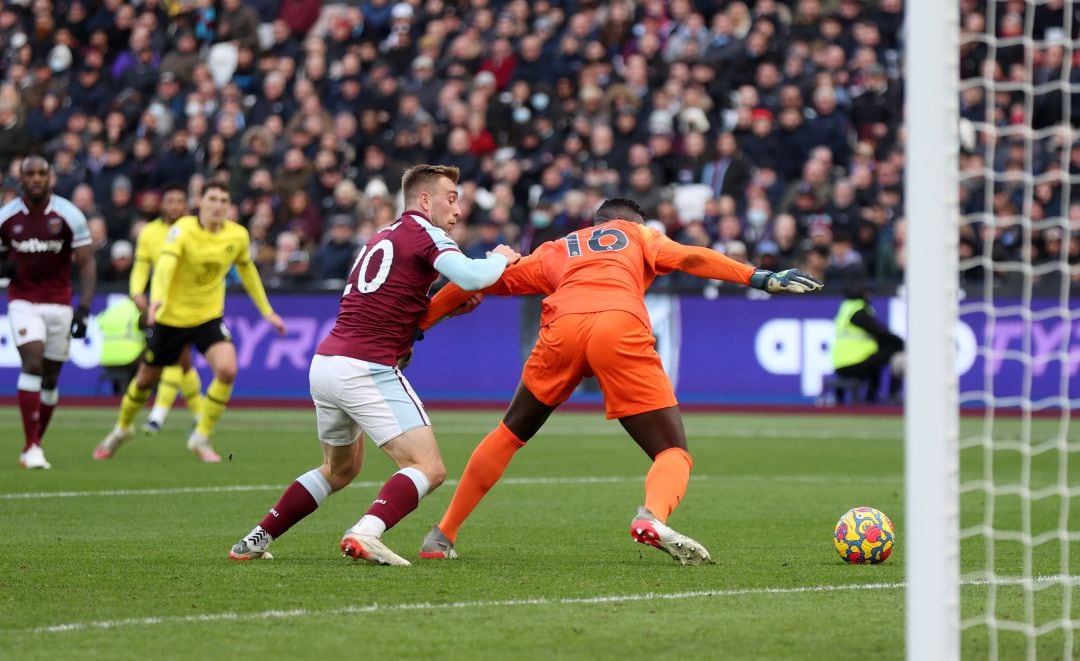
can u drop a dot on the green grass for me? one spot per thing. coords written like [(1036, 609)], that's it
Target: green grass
[(547, 568)]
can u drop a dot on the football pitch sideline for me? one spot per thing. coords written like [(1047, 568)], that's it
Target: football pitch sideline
[(127, 558)]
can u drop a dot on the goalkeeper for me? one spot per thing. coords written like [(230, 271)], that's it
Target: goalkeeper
[(594, 322)]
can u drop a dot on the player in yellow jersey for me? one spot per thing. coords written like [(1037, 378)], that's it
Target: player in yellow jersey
[(181, 377), (187, 301)]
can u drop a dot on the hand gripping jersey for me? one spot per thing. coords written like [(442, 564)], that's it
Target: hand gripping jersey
[(386, 294)]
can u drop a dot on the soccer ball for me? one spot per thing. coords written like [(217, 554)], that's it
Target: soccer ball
[(864, 535)]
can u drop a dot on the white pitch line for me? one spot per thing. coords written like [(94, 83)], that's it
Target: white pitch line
[(235, 488), (557, 430), (425, 606), (232, 616)]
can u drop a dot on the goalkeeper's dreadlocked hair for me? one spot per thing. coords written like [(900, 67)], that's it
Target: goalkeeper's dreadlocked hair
[(619, 207)]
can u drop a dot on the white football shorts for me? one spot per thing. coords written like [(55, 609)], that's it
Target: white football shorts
[(42, 322), (354, 395)]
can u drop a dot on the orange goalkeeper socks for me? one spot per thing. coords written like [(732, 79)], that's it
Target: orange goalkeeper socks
[(665, 483), (485, 467)]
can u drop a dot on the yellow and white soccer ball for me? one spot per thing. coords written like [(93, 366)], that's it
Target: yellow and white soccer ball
[(864, 535)]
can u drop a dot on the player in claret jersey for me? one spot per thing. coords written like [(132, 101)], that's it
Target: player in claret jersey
[(355, 380), (39, 233), (594, 322)]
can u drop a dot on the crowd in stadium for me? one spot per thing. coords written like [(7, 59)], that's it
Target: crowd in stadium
[(768, 130)]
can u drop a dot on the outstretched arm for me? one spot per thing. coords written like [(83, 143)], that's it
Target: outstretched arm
[(702, 262), (446, 301), (475, 273), (524, 277), (706, 263), (249, 277)]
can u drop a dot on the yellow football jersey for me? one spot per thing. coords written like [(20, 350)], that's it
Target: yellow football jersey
[(195, 293), (147, 249)]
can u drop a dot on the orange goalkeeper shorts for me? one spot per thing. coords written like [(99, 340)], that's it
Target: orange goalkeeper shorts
[(615, 346)]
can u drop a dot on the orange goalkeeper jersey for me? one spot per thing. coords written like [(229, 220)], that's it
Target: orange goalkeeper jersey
[(606, 267)]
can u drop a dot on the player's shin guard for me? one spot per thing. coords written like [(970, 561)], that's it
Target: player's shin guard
[(485, 467), (168, 388), (49, 399), (665, 483), (301, 498), (29, 398), (213, 405), (398, 497), (191, 389), (134, 399)]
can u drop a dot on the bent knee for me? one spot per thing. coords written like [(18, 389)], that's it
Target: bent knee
[(435, 474), (226, 374), (339, 481), (340, 476)]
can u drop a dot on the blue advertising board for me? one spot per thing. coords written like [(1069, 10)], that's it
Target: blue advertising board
[(727, 350)]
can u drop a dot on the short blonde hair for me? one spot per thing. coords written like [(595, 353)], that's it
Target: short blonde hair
[(419, 177)]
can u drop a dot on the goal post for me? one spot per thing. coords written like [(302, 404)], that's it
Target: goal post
[(931, 455)]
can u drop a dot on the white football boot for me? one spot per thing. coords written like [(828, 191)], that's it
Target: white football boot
[(359, 546), (107, 448), (200, 445), (647, 529), (34, 458)]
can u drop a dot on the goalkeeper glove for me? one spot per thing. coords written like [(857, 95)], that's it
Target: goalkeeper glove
[(791, 280), (78, 322)]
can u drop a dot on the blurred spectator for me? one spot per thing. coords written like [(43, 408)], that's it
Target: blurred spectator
[(729, 173), (120, 209), (299, 15), (313, 112), (238, 23), (334, 257), (845, 263), (490, 235), (121, 259), (292, 264), (99, 241), (302, 218), (815, 262)]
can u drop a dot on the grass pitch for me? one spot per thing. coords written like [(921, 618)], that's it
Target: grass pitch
[(127, 558)]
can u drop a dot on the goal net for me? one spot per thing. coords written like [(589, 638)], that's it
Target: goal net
[(1009, 476)]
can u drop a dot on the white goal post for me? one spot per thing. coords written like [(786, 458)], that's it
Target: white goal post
[(931, 455)]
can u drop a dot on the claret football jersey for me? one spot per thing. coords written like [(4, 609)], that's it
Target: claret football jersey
[(41, 244), (386, 293)]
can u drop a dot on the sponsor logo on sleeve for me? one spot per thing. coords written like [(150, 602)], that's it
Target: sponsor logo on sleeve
[(443, 240)]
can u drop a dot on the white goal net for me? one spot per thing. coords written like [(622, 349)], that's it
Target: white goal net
[(1017, 202)]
